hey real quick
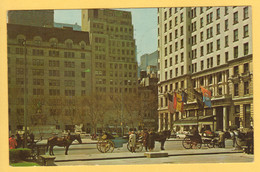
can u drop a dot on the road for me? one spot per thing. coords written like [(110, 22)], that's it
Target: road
[(91, 148)]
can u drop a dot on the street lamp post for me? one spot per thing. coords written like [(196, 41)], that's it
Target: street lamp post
[(25, 94)]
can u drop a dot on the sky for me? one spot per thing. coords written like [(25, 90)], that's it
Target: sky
[(143, 19)]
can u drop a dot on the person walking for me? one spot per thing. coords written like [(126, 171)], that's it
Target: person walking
[(151, 140), (145, 139), (221, 139), (18, 140), (132, 141), (250, 141), (12, 142)]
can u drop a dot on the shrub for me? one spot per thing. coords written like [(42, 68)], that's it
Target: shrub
[(19, 154)]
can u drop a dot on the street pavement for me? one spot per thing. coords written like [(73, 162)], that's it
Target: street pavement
[(87, 154)]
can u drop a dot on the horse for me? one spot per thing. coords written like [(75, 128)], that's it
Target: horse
[(162, 136), (62, 142)]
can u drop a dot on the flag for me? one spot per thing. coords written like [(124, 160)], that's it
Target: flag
[(199, 98), (184, 97), (170, 103), (206, 96), (178, 104)]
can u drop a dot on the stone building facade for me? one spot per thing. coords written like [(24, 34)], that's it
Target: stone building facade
[(40, 18), (209, 47), (56, 63)]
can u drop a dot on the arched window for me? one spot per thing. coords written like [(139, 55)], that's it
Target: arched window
[(37, 40), (53, 42), (68, 43)]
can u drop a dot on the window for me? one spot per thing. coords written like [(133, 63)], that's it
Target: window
[(246, 67), (210, 79), (182, 70), (165, 39), (165, 15), (181, 17), (176, 33), (235, 19), (170, 49), (181, 30), (176, 46), (245, 31), (210, 47), (226, 25), (176, 21), (226, 56), (220, 90), (235, 70), (176, 59), (165, 64), (218, 13), (236, 93), (226, 41), (201, 65), (170, 35), (165, 75), (245, 13), (218, 44), (209, 18), (170, 73), (201, 22), (201, 10), (219, 77), (246, 48), (226, 10), (209, 32), (165, 51), (236, 52), (176, 72), (218, 59), (235, 35), (218, 29), (170, 24), (182, 57), (182, 43), (201, 36), (165, 27), (201, 51)]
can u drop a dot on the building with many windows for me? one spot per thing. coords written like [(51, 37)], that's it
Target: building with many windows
[(40, 18), (52, 65), (209, 47), (114, 60)]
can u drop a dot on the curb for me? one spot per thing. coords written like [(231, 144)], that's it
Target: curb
[(142, 156)]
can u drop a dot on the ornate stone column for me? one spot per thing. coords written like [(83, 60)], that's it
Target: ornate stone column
[(225, 118)]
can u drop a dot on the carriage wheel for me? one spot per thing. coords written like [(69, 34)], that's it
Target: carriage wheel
[(110, 146), (196, 144), (102, 146), (186, 143), (138, 147), (128, 147)]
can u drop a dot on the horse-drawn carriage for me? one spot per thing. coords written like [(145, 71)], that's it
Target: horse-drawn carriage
[(195, 142)]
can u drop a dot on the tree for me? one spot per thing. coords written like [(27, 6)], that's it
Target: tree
[(96, 108)]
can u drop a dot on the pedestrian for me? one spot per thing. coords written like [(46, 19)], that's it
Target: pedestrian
[(151, 140), (132, 141), (18, 139), (250, 141), (221, 139), (12, 142), (145, 139), (233, 136), (31, 136)]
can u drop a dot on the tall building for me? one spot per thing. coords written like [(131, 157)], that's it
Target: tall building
[(148, 60), (40, 18), (209, 47), (57, 66), (113, 50)]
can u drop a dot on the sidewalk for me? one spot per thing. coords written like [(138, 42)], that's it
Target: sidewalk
[(127, 155)]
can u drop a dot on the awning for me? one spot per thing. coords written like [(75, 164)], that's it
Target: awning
[(194, 120)]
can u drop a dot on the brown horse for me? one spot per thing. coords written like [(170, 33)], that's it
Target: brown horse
[(62, 142)]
